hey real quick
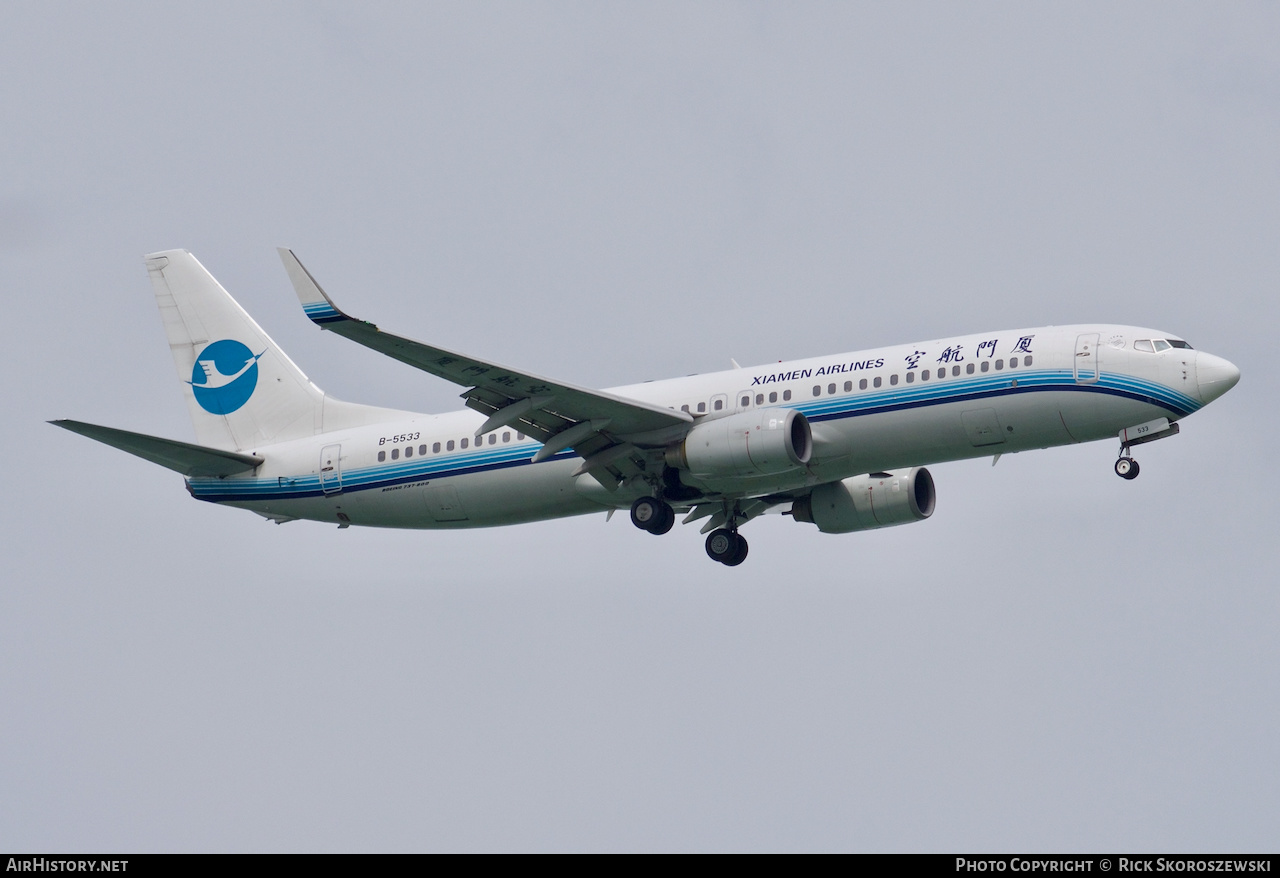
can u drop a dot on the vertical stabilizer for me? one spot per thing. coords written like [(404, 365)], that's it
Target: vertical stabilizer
[(241, 389)]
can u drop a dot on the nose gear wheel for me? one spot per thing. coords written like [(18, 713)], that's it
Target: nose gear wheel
[(1126, 466)]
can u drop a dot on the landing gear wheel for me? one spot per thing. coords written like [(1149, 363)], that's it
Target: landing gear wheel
[(653, 515), (665, 523), (646, 511), (1127, 468), (722, 544), (727, 547), (740, 555)]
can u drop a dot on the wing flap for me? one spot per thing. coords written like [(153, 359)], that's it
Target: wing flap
[(181, 457)]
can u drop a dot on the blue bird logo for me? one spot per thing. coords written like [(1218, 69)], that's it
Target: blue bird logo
[(224, 376)]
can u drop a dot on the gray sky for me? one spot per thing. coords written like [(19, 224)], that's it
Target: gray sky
[(1057, 660)]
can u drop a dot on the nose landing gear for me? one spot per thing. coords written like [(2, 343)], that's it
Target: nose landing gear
[(654, 515), (1160, 428), (1126, 466)]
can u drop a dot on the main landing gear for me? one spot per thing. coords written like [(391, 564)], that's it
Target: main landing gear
[(654, 515), (727, 547), (1126, 466), (657, 517)]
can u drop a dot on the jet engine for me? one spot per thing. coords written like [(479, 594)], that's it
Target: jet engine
[(761, 442), (866, 502)]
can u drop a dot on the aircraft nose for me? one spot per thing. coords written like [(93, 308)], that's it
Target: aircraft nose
[(1214, 375)]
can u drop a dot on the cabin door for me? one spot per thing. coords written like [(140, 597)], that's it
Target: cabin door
[(331, 469), (1086, 360)]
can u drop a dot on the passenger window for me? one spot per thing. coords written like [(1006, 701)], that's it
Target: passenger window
[(382, 455), (817, 390), (395, 453), (1144, 344), (773, 397), (702, 408), (519, 437), (746, 401), (986, 365), (831, 388), (684, 408), (1026, 361), (422, 450), (862, 385), (893, 379), (786, 395), (877, 382), (911, 377), (924, 376), (1013, 362), (955, 371), (449, 447), (506, 437), (999, 365), (464, 443), (408, 452), (1162, 345), (969, 367), (759, 399), (493, 438), (848, 386), (719, 404), (435, 447)]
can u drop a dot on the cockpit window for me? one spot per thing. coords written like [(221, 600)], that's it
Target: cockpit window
[(1180, 344), (1144, 344), (1162, 345)]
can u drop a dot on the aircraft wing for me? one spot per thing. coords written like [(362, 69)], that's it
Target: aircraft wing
[(598, 426), (182, 457)]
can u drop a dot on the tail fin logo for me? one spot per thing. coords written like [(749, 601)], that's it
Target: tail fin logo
[(224, 376)]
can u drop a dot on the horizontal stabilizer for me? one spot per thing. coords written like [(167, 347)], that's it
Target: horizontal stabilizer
[(182, 457)]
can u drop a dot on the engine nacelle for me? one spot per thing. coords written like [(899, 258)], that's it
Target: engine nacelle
[(761, 442), (865, 502)]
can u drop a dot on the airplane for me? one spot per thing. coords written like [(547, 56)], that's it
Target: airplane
[(840, 442)]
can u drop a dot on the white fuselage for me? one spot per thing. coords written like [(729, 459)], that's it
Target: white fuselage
[(870, 411)]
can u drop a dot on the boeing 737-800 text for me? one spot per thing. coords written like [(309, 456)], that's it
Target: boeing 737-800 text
[(839, 442)]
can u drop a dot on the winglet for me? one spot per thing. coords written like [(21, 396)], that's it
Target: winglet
[(315, 302)]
